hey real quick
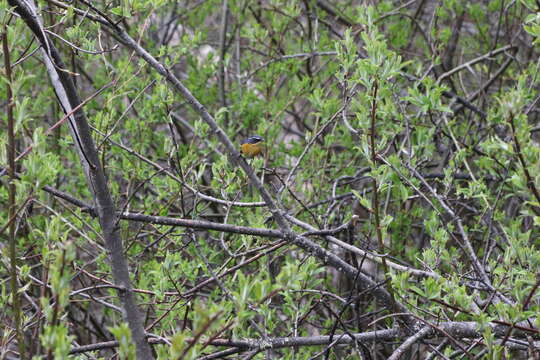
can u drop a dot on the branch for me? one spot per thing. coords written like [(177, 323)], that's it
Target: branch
[(69, 99), (170, 221), (410, 342), (12, 202), (202, 224), (272, 343), (530, 182), (222, 54), (362, 253), (458, 330), (475, 60)]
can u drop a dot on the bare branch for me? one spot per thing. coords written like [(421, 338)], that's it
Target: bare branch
[(69, 99)]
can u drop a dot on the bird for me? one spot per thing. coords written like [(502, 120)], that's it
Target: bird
[(252, 146)]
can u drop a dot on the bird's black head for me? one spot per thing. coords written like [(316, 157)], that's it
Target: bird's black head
[(253, 139)]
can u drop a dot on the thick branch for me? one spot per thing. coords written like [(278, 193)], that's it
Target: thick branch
[(69, 99), (457, 330)]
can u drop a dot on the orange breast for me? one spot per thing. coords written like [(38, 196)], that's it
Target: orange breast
[(251, 150)]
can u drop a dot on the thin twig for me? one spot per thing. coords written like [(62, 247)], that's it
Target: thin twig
[(12, 204), (530, 182), (486, 56)]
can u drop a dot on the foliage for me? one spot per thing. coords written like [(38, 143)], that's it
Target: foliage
[(410, 127)]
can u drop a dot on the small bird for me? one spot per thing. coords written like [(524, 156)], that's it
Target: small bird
[(252, 146)]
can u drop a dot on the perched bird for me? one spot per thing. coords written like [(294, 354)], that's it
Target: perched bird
[(252, 146)]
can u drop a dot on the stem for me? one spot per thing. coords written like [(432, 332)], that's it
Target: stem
[(375, 198), (11, 197), (56, 306), (222, 53), (528, 177)]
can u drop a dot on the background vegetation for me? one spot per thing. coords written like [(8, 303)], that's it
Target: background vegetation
[(395, 212)]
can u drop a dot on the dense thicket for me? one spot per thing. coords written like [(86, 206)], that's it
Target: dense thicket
[(394, 212)]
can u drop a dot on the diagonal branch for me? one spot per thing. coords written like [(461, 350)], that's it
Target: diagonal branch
[(410, 342), (69, 99)]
